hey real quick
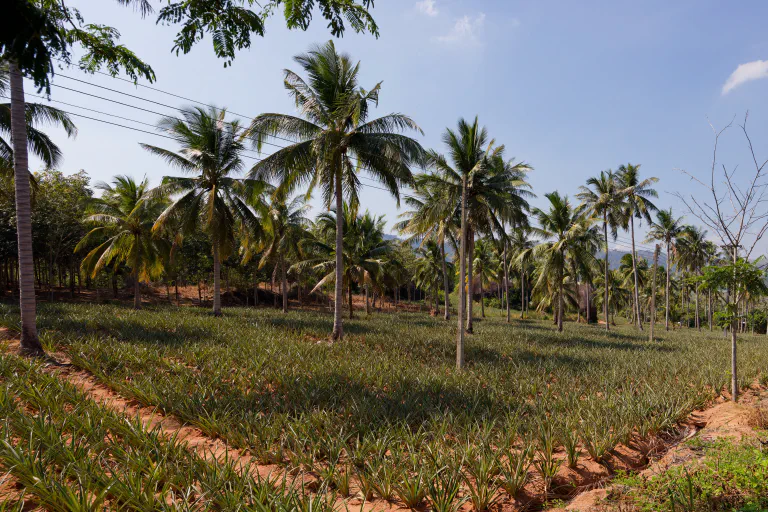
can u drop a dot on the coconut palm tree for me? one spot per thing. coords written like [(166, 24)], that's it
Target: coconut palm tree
[(285, 225), (336, 141), (19, 119), (636, 194), (561, 226), (212, 199), (601, 196), (666, 229), (125, 214), (468, 147)]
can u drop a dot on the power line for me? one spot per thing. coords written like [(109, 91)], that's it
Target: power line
[(165, 136), (292, 141)]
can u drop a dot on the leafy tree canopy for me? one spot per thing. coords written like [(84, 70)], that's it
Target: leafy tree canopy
[(35, 32)]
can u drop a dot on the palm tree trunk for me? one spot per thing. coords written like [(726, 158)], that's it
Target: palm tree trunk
[(284, 284), (462, 275), (634, 272), (607, 271), (446, 285), (653, 293), (482, 302), (470, 283), (666, 294), (338, 331), (255, 288), (349, 289), (30, 343), (522, 293), (367, 303), (136, 265), (709, 309), (560, 302), (216, 280), (506, 279), (698, 319)]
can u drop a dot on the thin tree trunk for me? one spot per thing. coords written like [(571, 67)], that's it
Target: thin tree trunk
[(446, 285), (470, 283), (709, 309), (30, 344), (136, 283), (216, 280), (338, 331), (607, 271), (284, 284), (634, 271), (522, 293), (255, 288), (351, 307), (666, 293), (462, 276), (367, 304), (482, 302), (176, 289), (698, 319), (506, 279), (653, 292), (560, 302)]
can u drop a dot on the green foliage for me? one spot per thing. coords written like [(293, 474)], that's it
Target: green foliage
[(729, 477)]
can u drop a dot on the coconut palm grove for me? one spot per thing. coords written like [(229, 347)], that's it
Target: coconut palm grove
[(240, 327)]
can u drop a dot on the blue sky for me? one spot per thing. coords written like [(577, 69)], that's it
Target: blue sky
[(570, 87)]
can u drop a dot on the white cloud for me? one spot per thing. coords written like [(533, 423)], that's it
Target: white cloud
[(428, 7), (465, 30), (754, 70)]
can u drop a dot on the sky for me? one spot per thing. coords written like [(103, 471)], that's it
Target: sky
[(572, 88)]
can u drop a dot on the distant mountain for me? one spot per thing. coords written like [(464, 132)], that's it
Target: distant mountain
[(614, 257)]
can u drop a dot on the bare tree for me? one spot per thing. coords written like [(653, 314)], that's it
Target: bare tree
[(735, 210)]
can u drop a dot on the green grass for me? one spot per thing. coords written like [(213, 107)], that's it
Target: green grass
[(731, 477), (386, 405)]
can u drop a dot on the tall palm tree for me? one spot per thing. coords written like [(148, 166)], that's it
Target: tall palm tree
[(666, 229), (561, 226), (126, 213), (336, 141), (693, 253), (601, 196), (19, 118), (468, 147), (212, 199), (636, 194), (285, 225)]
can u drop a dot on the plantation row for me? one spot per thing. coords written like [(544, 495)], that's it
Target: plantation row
[(357, 420)]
